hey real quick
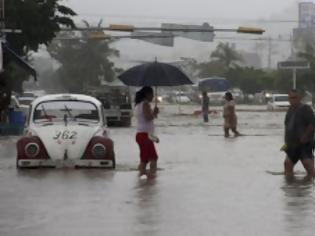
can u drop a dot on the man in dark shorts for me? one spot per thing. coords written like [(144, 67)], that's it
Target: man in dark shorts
[(205, 106), (299, 135)]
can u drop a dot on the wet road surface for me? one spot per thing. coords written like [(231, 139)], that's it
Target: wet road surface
[(206, 185)]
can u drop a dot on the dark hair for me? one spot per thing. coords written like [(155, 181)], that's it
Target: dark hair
[(298, 91), (142, 94), (229, 96)]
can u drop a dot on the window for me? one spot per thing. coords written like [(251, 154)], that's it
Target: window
[(72, 111)]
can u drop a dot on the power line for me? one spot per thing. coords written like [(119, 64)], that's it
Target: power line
[(109, 37), (255, 39), (141, 17)]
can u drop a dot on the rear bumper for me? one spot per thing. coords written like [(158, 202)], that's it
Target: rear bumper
[(80, 163), (94, 163), (279, 108)]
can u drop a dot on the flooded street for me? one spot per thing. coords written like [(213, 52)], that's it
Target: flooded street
[(206, 185)]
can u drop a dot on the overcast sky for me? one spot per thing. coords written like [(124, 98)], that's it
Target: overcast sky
[(219, 13), (222, 9)]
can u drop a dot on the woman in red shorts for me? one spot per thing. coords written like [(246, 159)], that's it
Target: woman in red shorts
[(145, 128)]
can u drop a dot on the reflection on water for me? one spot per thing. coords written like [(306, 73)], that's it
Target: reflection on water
[(147, 205), (299, 208), (65, 173), (207, 186)]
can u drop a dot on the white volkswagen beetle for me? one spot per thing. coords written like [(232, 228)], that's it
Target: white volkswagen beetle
[(66, 130)]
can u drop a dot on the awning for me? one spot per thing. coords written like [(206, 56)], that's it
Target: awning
[(11, 55)]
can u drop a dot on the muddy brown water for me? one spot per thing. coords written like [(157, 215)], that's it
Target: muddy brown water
[(206, 185)]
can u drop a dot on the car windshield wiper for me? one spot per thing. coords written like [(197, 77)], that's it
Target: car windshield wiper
[(45, 113), (69, 113)]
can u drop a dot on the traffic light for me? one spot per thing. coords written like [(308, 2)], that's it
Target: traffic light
[(250, 30), (98, 35), (125, 28)]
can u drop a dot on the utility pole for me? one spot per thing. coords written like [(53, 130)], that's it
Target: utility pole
[(269, 52), (2, 26)]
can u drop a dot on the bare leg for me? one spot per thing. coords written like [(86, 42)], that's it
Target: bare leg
[(236, 133), (309, 167), (153, 167), (142, 168), (288, 167), (206, 117), (226, 132)]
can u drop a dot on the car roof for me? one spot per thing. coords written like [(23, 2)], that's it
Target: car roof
[(279, 94), (26, 98), (66, 96)]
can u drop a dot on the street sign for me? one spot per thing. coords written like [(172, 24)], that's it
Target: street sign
[(294, 64), (206, 33), (163, 39)]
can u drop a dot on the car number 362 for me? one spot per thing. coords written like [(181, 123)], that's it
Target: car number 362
[(66, 135)]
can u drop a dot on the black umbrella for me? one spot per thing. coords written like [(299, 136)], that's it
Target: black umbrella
[(154, 74), (217, 84)]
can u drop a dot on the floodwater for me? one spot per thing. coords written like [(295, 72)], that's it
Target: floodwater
[(206, 185)]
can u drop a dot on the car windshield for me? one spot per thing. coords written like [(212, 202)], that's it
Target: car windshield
[(66, 111), (114, 97), (283, 98), (28, 95), (25, 101)]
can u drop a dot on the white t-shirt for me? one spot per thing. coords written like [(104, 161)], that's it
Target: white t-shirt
[(143, 125)]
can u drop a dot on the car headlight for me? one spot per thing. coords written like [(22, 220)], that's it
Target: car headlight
[(99, 150), (31, 150), (160, 99)]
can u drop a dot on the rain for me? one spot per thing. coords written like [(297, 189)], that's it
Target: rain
[(206, 183)]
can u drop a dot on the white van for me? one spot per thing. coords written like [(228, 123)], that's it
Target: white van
[(278, 102)]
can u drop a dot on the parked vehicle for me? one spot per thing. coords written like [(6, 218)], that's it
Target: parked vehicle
[(15, 105), (182, 97), (308, 98), (278, 101), (116, 101), (26, 98), (216, 98), (66, 130)]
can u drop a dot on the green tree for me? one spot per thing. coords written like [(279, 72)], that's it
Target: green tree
[(226, 55), (212, 68), (84, 62), (39, 21)]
